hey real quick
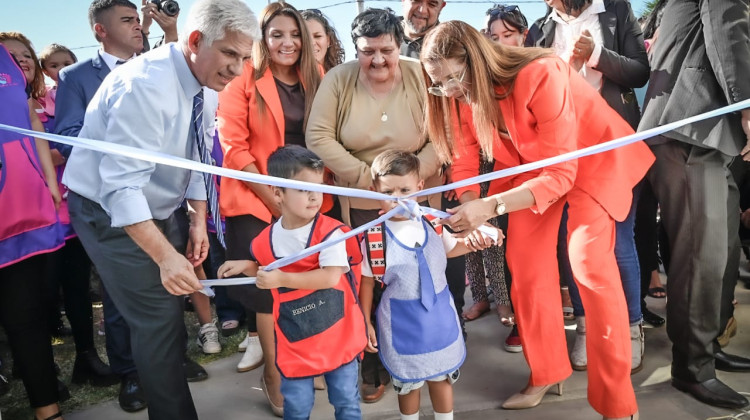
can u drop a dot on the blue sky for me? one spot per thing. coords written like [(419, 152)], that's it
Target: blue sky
[(65, 22)]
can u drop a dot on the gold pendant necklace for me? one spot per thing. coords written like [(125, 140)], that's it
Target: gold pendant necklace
[(383, 114)]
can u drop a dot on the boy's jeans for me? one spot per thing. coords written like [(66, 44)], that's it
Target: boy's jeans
[(343, 394)]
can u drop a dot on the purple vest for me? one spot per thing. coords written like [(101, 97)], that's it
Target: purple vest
[(48, 121), (29, 224)]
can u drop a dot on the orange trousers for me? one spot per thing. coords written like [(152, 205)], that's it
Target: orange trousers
[(535, 292)]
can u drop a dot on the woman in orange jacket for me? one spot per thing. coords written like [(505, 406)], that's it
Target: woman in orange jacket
[(528, 103), (265, 108)]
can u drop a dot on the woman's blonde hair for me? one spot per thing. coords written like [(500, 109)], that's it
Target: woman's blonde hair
[(308, 67), (489, 66), (38, 89)]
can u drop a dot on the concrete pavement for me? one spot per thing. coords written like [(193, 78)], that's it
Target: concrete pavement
[(488, 377)]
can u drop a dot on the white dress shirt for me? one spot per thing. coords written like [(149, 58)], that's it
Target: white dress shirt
[(566, 34), (110, 60), (146, 103)]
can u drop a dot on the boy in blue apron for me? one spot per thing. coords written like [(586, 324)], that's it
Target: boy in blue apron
[(418, 334)]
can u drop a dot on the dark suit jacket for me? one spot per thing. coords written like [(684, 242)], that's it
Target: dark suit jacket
[(76, 86), (701, 61), (623, 63)]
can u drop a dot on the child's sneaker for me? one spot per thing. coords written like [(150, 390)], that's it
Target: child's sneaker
[(208, 339), (513, 342)]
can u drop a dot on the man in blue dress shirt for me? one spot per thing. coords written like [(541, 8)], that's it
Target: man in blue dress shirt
[(122, 208)]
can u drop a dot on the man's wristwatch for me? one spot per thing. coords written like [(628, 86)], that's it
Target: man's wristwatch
[(500, 207)]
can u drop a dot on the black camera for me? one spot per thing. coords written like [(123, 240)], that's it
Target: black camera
[(170, 7)]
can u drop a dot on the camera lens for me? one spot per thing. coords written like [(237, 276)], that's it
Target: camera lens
[(170, 7)]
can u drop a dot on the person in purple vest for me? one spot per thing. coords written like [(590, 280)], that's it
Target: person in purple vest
[(29, 231), (116, 26)]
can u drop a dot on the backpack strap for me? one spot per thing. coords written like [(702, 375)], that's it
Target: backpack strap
[(434, 223), (375, 241), (352, 244)]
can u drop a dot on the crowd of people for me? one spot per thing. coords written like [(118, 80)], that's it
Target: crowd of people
[(423, 104)]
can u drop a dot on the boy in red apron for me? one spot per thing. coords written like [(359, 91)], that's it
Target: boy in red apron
[(319, 326)]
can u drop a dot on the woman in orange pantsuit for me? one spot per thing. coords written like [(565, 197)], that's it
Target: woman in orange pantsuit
[(529, 104)]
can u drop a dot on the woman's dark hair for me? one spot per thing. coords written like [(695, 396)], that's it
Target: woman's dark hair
[(574, 5), (373, 23), (654, 19), (510, 15), (335, 54)]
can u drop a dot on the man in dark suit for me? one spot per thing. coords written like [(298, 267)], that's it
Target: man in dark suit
[(622, 61), (117, 27), (700, 62)]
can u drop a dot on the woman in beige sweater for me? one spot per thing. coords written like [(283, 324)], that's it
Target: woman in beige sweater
[(367, 106), (362, 108)]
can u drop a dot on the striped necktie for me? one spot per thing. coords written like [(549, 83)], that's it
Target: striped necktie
[(205, 154)]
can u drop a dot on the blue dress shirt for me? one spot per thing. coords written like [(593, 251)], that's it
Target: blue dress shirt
[(146, 103)]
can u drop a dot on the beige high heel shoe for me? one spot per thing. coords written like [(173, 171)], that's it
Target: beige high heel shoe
[(633, 417), (520, 400)]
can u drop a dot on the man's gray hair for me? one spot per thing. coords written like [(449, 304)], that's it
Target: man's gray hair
[(214, 18)]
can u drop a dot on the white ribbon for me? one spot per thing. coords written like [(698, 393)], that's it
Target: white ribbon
[(591, 150), (405, 205)]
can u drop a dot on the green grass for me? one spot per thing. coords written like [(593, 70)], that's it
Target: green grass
[(15, 406)]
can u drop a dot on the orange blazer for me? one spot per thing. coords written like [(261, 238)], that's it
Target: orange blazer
[(552, 110), (249, 136)]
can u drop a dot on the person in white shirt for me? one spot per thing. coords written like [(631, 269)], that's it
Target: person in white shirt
[(122, 208)]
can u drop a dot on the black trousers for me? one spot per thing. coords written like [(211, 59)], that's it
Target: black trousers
[(23, 315), (646, 237), (455, 272), (71, 270), (699, 206), (240, 232), (155, 317)]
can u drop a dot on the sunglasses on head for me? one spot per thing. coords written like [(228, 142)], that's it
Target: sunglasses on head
[(314, 11), (499, 11)]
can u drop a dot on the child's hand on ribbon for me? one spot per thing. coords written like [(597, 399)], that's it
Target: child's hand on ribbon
[(269, 279), (233, 268)]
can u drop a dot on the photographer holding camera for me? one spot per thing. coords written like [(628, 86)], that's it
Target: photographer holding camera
[(165, 13)]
